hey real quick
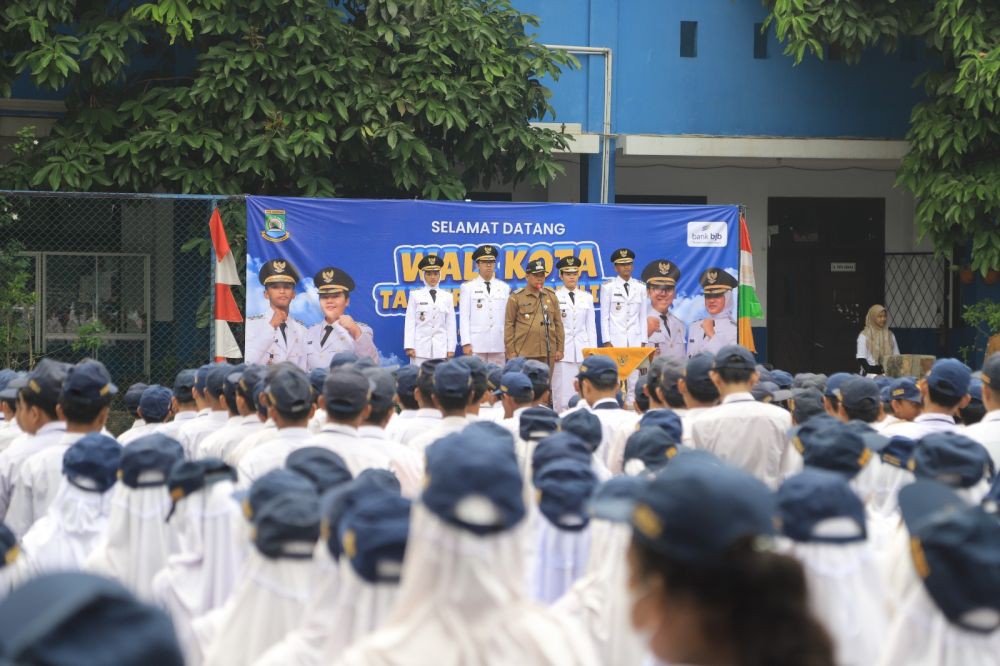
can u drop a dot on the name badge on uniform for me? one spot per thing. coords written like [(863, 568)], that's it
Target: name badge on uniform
[(421, 316), (562, 311), (618, 306), (479, 305)]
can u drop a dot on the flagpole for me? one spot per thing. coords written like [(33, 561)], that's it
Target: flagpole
[(211, 305)]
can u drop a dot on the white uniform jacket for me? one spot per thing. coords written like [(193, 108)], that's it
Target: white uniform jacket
[(481, 315), (578, 323), (430, 323), (623, 313), (698, 340), (671, 336), (319, 353), (266, 345)]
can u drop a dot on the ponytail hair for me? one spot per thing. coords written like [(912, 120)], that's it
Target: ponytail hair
[(753, 599)]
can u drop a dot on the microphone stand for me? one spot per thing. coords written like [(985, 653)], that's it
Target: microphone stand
[(545, 323)]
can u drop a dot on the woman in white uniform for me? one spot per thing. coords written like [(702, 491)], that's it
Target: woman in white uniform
[(876, 342), (576, 307), (429, 326)]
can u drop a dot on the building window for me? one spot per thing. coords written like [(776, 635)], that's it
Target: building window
[(689, 39), (759, 41)]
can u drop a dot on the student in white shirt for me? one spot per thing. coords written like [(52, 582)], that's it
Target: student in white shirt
[(184, 406), (9, 389), (698, 390), (748, 434), (207, 390), (987, 431), (452, 393), (905, 402), (598, 384), (131, 399), (427, 415), (945, 391), (154, 408), (403, 461), (214, 443), (662, 385)]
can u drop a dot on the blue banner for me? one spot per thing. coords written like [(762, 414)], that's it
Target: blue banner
[(378, 245)]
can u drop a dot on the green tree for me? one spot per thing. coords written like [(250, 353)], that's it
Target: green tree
[(953, 167), (382, 98)]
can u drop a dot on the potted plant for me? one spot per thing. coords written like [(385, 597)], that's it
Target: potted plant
[(984, 316)]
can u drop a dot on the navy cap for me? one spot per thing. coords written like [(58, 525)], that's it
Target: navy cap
[(736, 357), (764, 391), (652, 446), (905, 388), (6, 374), (991, 371), (491, 430), (80, 618), (155, 403), (951, 459), (536, 423), (88, 383), (9, 548), (201, 376), (215, 378), (666, 420), (898, 451), (615, 499), (515, 364), (146, 461), (183, 383), (696, 374), (819, 506), (516, 385), (782, 378), (473, 484), (373, 535), (132, 395), (563, 489), (976, 389), (13, 385), (473, 363), (289, 390), (406, 381), (871, 437), (340, 499), (641, 399), (538, 373), (189, 476), (885, 393), (834, 383), (494, 373), (807, 403), (598, 367), (383, 387), (574, 400), (321, 466), (91, 463), (288, 526), (860, 393), (801, 435), (343, 358), (46, 380), (955, 550), (584, 424), (229, 387), (560, 446), (346, 391), (316, 378), (259, 389), (949, 377), (836, 448), (452, 380), (693, 512), (763, 372), (274, 483)]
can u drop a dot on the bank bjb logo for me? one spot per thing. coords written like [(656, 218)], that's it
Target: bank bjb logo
[(274, 226), (708, 234)]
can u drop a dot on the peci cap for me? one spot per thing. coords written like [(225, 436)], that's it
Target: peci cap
[(562, 490), (183, 385), (536, 266), (278, 271), (693, 511), (452, 380), (716, 281), (569, 264), (485, 253), (598, 367), (661, 273), (517, 386), (558, 446), (431, 262), (346, 391), (622, 255), (735, 357), (860, 393), (474, 485), (189, 476), (952, 459), (905, 388), (955, 549), (665, 420), (653, 447), (289, 390), (819, 506), (537, 423), (91, 463), (949, 377), (332, 280), (146, 461), (322, 467), (373, 535), (615, 499), (287, 527), (584, 424), (273, 484), (155, 403)]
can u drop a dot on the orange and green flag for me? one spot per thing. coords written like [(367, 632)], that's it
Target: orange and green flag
[(748, 306)]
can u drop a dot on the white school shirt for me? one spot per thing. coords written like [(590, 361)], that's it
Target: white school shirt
[(20, 450), (172, 428), (346, 442), (987, 433), (445, 426), (135, 432), (748, 434), (404, 462), (579, 325), (195, 430), (623, 313), (925, 424), (249, 425), (419, 422), (211, 445), (616, 426), (481, 314), (38, 481), (270, 455), (429, 326)]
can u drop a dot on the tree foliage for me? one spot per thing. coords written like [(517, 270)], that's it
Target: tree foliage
[(953, 166), (382, 98)]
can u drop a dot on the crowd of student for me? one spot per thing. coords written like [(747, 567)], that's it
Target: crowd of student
[(444, 514)]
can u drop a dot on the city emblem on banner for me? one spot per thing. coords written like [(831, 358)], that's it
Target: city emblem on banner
[(274, 226)]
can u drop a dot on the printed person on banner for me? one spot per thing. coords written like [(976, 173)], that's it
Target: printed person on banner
[(718, 329), (666, 331), (429, 330), (481, 305), (276, 336), (338, 331), (576, 308), (533, 328), (624, 308)]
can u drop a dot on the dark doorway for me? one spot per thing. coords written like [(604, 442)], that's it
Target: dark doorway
[(825, 268)]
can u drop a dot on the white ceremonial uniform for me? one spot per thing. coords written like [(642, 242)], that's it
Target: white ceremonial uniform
[(623, 313), (404, 462), (748, 434), (194, 431), (319, 352), (37, 483), (987, 433), (699, 341), (430, 324), (20, 450), (481, 317), (671, 336), (346, 442), (172, 428), (270, 455), (266, 345), (580, 330)]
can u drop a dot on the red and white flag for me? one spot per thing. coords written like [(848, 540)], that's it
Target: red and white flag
[(226, 309)]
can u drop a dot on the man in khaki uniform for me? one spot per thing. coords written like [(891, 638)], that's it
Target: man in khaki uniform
[(532, 314)]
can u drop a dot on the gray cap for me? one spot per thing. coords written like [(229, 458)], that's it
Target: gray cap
[(289, 390), (346, 390)]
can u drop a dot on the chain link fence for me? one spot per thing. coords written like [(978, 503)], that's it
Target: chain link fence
[(123, 278)]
